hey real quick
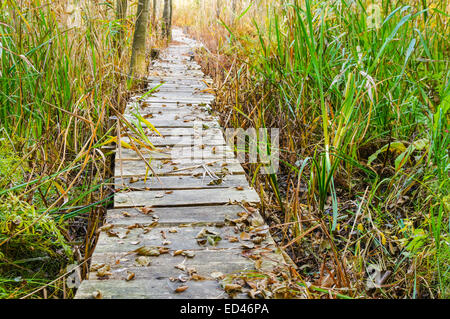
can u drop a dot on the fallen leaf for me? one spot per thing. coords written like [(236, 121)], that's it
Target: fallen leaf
[(112, 233), (104, 272), (178, 252), (216, 275), (188, 253), (248, 246), (134, 180), (245, 236), (230, 288), (95, 267), (258, 240), (146, 210), (215, 182), (97, 294), (191, 271), (201, 242), (233, 239), (181, 289), (106, 227), (163, 250), (197, 277), (213, 240), (143, 261), (147, 251), (181, 267)]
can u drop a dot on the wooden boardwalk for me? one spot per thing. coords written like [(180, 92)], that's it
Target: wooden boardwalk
[(187, 232)]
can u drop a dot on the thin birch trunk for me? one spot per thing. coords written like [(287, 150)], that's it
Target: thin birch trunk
[(154, 13), (170, 19), (121, 15), (166, 20), (138, 61)]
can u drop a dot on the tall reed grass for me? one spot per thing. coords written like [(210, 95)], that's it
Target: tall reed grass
[(362, 102), (60, 80)]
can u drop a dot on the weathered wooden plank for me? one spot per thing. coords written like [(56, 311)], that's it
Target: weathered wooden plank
[(179, 182), (183, 239), (157, 78), (125, 168), (149, 289), (190, 197), (204, 263), (186, 140), (126, 259), (170, 87), (174, 215), (168, 107), (177, 95), (176, 123), (179, 100), (186, 131), (208, 152), (181, 115)]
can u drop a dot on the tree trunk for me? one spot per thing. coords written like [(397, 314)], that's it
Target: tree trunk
[(218, 8), (121, 15), (170, 19), (166, 20), (154, 14), (138, 63), (121, 9)]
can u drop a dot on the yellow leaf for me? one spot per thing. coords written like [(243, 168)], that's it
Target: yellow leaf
[(383, 238), (111, 139), (360, 227), (126, 145), (149, 147), (150, 125)]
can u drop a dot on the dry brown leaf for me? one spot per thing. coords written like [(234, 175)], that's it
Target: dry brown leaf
[(230, 288), (233, 239), (95, 267), (163, 250), (148, 251), (134, 180), (216, 275), (178, 252), (146, 210), (245, 236), (181, 289), (181, 267), (106, 227), (188, 253), (143, 261), (104, 272), (97, 294)]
